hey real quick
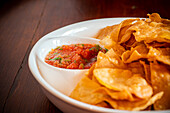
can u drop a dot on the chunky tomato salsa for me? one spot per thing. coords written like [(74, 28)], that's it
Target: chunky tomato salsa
[(74, 56)]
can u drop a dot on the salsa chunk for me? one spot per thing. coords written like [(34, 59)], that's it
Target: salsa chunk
[(74, 56)]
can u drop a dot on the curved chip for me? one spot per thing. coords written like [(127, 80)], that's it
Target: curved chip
[(120, 80), (140, 51), (160, 79), (159, 54), (103, 61), (136, 105), (84, 89), (117, 95), (105, 32)]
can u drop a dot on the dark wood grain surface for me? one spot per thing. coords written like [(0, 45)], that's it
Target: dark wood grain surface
[(24, 22)]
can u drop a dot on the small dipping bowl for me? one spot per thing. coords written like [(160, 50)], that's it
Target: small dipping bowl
[(63, 80)]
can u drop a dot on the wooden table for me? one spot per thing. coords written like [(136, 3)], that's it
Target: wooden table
[(24, 22)]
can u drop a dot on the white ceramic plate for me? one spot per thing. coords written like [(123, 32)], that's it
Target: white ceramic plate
[(59, 98)]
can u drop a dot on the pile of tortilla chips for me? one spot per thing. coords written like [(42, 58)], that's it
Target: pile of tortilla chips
[(135, 73)]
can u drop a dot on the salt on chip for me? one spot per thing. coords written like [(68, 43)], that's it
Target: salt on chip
[(121, 79), (150, 32), (138, 86), (159, 54), (160, 79), (114, 58), (108, 43), (109, 60), (136, 68), (103, 61)]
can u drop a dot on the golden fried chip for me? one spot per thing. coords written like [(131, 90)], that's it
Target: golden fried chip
[(103, 104), (131, 42), (115, 34), (117, 95), (136, 105), (109, 60), (108, 43), (147, 71), (112, 78), (89, 73), (123, 33), (160, 54), (113, 38), (150, 32), (155, 17), (136, 68), (140, 51), (121, 79), (158, 45), (84, 89), (160, 79), (103, 61), (105, 32), (114, 58)]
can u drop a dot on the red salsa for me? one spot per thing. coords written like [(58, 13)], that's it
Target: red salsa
[(74, 56)]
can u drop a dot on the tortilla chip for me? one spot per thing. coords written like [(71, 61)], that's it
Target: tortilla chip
[(107, 42), (103, 61), (160, 79), (117, 95), (155, 44), (103, 104), (159, 54), (121, 79), (147, 71), (150, 32), (136, 68), (114, 58), (112, 38), (129, 43), (89, 73), (140, 51), (84, 89), (105, 32), (136, 105), (155, 17)]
